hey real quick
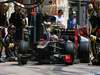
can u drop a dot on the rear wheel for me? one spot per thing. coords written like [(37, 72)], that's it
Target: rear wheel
[(83, 52)]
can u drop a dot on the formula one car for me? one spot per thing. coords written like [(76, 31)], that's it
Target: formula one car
[(63, 46)]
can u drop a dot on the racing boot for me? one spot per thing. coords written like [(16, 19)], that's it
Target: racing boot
[(1, 57)]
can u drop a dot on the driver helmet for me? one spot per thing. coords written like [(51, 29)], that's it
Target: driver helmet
[(11, 29)]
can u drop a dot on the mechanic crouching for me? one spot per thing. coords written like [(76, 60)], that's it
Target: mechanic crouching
[(9, 44), (1, 44)]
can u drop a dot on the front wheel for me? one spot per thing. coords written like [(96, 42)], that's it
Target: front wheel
[(68, 59), (22, 60), (70, 52)]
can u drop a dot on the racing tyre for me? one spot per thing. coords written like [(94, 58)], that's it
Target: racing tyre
[(83, 51), (22, 60)]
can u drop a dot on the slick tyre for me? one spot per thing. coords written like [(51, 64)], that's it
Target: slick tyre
[(22, 61), (83, 52)]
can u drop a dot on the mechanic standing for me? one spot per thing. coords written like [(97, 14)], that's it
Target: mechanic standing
[(60, 19), (3, 25), (16, 19)]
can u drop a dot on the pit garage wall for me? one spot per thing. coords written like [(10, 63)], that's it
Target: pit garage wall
[(60, 4)]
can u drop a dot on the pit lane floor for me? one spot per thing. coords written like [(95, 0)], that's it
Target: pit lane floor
[(11, 68)]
